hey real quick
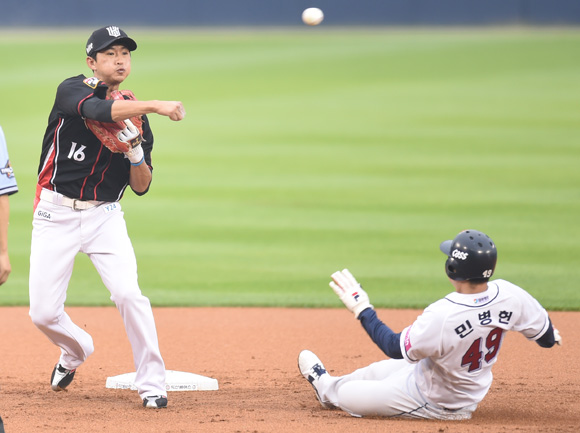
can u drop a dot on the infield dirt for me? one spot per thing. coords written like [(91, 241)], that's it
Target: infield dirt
[(252, 353)]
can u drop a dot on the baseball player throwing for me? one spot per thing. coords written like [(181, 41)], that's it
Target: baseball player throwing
[(441, 364), (98, 142)]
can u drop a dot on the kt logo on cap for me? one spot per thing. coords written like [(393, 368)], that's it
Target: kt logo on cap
[(114, 31)]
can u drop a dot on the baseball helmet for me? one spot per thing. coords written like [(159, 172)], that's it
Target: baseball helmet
[(470, 256)]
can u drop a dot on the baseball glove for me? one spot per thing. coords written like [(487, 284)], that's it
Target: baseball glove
[(119, 137)]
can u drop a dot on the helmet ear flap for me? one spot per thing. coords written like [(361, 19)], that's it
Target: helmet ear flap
[(450, 269)]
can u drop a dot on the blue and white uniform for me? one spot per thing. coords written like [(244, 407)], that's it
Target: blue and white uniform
[(7, 179), (445, 357)]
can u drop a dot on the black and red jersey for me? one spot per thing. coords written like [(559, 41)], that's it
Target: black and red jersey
[(73, 161)]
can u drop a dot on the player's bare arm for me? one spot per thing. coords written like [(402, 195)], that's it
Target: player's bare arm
[(140, 178), (113, 65), (122, 110)]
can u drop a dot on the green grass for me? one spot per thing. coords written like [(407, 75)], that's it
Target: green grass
[(307, 151)]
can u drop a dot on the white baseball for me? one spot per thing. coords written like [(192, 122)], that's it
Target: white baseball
[(312, 16)]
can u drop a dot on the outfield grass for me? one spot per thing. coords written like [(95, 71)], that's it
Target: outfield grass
[(306, 151)]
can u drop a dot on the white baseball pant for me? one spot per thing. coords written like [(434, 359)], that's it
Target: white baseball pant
[(58, 234), (385, 388)]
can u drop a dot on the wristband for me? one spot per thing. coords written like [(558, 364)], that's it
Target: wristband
[(135, 155), (138, 163)]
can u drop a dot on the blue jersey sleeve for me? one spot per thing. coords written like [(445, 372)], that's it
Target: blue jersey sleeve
[(381, 334), (547, 340)]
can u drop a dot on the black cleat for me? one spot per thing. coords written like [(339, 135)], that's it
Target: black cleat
[(155, 402), (61, 378)]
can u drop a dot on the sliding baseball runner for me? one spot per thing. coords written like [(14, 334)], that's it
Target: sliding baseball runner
[(440, 365)]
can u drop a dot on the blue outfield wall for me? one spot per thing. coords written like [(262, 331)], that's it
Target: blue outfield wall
[(80, 13)]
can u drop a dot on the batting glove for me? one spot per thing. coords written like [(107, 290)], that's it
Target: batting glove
[(132, 136), (557, 337), (350, 292)]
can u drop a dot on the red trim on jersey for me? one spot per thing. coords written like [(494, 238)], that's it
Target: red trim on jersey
[(81, 103), (46, 173), (90, 174), (103, 176), (47, 170), (37, 196)]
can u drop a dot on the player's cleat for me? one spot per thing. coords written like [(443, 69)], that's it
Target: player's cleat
[(311, 368), (61, 378), (155, 402)]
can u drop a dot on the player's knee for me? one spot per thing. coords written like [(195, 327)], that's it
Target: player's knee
[(42, 317), (129, 298), (88, 348)]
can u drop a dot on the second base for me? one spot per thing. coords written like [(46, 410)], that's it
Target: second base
[(175, 381)]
